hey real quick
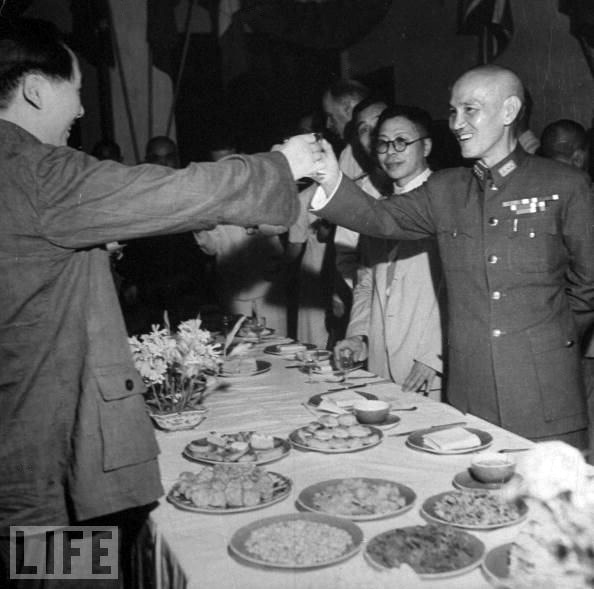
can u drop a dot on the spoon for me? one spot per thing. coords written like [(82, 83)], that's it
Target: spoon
[(507, 450), (414, 408)]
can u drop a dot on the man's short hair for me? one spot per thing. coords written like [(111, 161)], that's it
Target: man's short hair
[(420, 118), (344, 89), (562, 138), (30, 46)]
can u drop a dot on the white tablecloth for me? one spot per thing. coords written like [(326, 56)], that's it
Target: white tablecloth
[(192, 548)]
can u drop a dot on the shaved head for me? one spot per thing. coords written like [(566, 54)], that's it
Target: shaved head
[(485, 106)]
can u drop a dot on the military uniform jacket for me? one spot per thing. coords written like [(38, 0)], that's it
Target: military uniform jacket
[(75, 438), (518, 256)]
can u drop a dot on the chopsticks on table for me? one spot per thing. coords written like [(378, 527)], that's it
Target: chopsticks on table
[(433, 428)]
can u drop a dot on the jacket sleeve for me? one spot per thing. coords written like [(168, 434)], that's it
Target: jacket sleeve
[(406, 217), (85, 202), (361, 308)]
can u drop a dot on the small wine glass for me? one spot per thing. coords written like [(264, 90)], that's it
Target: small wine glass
[(346, 362), (309, 362), (258, 327)]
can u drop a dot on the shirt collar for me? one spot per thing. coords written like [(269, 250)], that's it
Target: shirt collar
[(414, 183), (497, 175)]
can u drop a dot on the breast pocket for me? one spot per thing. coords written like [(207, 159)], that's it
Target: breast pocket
[(535, 243), (457, 246)]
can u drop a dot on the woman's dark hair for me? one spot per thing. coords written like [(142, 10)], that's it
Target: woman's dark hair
[(30, 46), (420, 118)]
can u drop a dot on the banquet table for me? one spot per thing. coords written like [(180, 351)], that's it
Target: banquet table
[(191, 549)]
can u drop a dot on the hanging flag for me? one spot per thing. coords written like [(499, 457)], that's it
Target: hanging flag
[(491, 20)]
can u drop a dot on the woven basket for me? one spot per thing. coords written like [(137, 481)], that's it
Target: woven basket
[(173, 422)]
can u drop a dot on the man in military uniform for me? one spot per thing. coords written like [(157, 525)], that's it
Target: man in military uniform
[(516, 240)]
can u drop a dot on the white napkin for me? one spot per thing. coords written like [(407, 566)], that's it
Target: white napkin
[(331, 407), (454, 438), (344, 399), (291, 348)]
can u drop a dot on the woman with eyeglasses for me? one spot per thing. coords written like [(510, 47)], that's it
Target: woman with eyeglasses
[(395, 321)]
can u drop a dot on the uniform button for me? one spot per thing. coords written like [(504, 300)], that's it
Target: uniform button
[(495, 295), (569, 343), (532, 235), (492, 259), (493, 221), (129, 384), (497, 333)]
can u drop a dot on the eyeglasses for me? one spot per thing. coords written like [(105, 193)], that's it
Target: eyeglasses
[(399, 144)]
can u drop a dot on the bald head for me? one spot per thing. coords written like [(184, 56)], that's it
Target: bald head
[(163, 151), (485, 105), (565, 141)]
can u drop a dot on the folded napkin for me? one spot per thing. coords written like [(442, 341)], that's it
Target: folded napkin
[(331, 407), (291, 348), (344, 399), (454, 438)]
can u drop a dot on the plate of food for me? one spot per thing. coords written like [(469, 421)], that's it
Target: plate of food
[(249, 335), (473, 511), (432, 551), (244, 446), (228, 488), (289, 350), (454, 440), (239, 367), (297, 541), (358, 499), (496, 566), (336, 434)]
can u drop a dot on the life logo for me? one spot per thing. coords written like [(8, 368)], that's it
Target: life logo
[(73, 552)]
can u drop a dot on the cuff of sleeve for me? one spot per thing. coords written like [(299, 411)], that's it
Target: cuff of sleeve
[(320, 198)]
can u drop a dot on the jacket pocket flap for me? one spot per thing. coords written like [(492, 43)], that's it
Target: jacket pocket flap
[(118, 381)]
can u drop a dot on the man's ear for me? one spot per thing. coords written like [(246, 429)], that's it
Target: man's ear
[(33, 90), (512, 106), (578, 159), (427, 146)]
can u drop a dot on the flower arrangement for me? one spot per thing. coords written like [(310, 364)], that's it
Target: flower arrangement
[(176, 367)]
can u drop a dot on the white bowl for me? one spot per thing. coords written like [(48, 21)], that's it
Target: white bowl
[(493, 467), (371, 411)]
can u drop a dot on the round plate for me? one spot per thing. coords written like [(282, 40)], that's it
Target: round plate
[(374, 430), (261, 367), (276, 350), (317, 399), (496, 566), (280, 450), (415, 440), (390, 421), (282, 489), (237, 545), (477, 549), (429, 513), (465, 481), (306, 499)]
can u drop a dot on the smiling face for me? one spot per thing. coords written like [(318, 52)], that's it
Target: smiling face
[(483, 108), (403, 166), (62, 106)]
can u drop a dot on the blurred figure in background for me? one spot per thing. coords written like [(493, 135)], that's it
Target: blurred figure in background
[(566, 141), (107, 149)]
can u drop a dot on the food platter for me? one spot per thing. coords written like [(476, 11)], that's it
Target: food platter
[(336, 435), (247, 446), (496, 566), (261, 367), (415, 441), (439, 552), (280, 531), (276, 350), (358, 499), (466, 482), (473, 511), (279, 489)]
